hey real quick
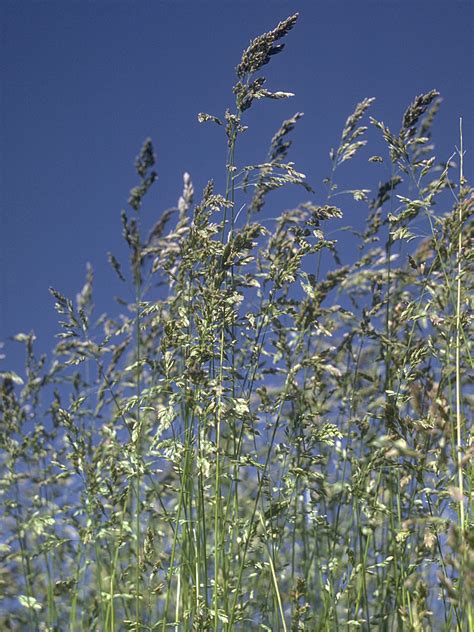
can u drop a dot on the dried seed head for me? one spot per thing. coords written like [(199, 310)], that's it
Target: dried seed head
[(145, 159), (417, 108), (263, 47)]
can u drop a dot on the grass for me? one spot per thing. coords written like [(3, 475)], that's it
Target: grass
[(257, 443)]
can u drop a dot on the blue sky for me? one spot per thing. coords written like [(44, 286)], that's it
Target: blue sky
[(85, 82)]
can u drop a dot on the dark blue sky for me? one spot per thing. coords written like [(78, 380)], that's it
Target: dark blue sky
[(85, 82)]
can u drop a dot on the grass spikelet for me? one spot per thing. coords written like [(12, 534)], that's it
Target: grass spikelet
[(263, 47)]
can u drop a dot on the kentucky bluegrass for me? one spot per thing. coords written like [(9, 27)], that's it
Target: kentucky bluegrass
[(255, 442)]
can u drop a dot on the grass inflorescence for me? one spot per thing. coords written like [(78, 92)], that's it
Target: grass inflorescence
[(257, 442)]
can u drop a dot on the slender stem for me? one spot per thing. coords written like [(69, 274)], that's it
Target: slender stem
[(458, 345), (459, 438), (137, 448)]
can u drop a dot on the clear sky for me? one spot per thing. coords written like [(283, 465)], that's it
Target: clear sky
[(85, 82)]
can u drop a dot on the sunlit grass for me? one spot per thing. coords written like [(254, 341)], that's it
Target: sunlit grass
[(258, 441)]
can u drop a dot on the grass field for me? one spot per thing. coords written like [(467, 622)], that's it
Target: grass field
[(258, 441)]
